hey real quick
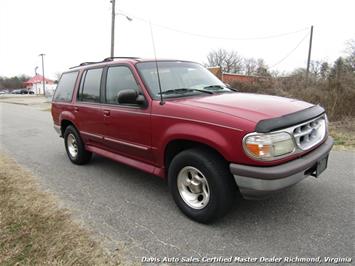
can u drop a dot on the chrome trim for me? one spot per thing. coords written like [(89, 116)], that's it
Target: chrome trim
[(318, 126), (193, 187), (144, 148), (127, 144), (72, 146), (199, 121), (91, 135)]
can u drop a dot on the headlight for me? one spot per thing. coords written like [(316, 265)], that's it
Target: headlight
[(268, 146)]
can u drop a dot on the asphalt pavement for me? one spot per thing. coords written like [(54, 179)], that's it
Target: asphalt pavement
[(134, 212)]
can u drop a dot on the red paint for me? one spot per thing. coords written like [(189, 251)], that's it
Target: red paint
[(139, 136)]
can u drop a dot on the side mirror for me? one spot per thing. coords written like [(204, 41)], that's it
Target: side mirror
[(140, 100), (130, 96), (230, 87)]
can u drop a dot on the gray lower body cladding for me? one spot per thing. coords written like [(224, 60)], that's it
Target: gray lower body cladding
[(259, 182)]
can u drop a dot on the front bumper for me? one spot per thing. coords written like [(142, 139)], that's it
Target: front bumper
[(259, 182)]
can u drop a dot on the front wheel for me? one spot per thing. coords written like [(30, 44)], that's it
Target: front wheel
[(201, 184)]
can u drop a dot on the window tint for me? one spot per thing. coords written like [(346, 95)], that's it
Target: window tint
[(118, 78), (175, 75), (65, 87), (90, 87)]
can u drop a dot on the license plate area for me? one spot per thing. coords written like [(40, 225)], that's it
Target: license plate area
[(321, 166)]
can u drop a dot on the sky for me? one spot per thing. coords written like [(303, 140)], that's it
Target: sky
[(73, 31)]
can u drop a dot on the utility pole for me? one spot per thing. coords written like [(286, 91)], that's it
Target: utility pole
[(309, 54), (44, 79), (36, 89), (113, 28)]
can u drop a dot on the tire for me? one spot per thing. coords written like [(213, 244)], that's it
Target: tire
[(211, 190), (75, 147)]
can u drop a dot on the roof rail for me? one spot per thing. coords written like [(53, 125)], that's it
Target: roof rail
[(111, 58), (105, 60), (85, 64)]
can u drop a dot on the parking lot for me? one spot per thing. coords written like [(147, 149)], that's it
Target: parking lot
[(134, 212)]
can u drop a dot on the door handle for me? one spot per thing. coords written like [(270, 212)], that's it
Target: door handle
[(76, 109), (106, 112)]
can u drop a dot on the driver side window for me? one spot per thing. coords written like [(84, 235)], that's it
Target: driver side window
[(118, 78)]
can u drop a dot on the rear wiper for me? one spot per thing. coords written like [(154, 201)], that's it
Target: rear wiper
[(184, 90)]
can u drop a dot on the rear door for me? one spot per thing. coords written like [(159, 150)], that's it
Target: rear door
[(88, 109), (127, 126)]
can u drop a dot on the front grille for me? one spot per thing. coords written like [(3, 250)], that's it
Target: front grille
[(310, 133)]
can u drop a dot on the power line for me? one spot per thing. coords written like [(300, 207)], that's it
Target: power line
[(231, 38), (220, 37), (291, 52)]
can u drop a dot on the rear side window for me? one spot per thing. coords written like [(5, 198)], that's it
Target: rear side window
[(65, 87), (90, 87), (118, 78)]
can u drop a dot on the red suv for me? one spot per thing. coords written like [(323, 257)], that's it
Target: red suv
[(176, 120)]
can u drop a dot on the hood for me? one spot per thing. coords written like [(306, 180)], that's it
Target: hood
[(249, 106)]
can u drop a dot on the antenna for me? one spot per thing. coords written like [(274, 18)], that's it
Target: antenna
[(156, 63)]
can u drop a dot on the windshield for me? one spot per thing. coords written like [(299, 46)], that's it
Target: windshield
[(179, 79)]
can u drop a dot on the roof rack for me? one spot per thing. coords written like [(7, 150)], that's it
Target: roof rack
[(108, 59), (111, 58), (85, 64)]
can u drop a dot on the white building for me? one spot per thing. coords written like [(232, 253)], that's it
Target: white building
[(35, 84)]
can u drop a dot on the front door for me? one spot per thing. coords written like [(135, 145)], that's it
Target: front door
[(127, 126)]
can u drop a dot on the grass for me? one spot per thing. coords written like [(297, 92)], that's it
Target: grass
[(343, 133), (35, 231)]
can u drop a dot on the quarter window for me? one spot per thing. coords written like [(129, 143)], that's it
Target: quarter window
[(65, 87), (118, 78), (90, 87)]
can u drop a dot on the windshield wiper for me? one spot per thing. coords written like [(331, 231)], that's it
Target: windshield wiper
[(184, 90), (219, 87)]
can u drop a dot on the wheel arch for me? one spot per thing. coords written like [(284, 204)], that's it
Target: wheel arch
[(66, 119), (175, 146)]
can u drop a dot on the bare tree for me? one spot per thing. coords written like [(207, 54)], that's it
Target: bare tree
[(324, 70), (58, 75), (350, 51), (250, 66), (229, 61), (316, 68)]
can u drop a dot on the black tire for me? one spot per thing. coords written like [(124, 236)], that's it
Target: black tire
[(222, 188), (82, 156)]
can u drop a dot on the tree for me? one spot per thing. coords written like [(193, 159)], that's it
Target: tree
[(229, 61), (262, 69), (338, 69), (315, 68), (324, 70), (250, 66), (58, 76), (13, 82), (350, 51)]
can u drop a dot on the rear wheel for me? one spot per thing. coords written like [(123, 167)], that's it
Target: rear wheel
[(201, 184), (75, 147)]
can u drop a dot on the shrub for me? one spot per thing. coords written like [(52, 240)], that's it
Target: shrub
[(335, 94)]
